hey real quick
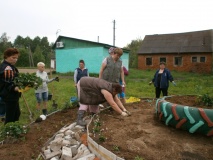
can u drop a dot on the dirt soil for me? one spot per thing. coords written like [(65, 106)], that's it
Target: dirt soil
[(143, 135), (140, 135)]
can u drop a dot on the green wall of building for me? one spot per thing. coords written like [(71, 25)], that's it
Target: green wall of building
[(93, 53), (68, 59)]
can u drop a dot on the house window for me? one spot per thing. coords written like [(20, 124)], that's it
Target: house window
[(194, 59), (178, 61), (149, 61), (202, 59), (163, 59)]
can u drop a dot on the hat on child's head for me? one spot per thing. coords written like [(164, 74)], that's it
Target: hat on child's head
[(111, 49)]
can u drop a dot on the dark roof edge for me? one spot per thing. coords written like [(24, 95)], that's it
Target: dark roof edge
[(105, 45), (180, 32)]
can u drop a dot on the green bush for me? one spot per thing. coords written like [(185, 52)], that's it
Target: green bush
[(26, 79), (206, 100), (13, 130)]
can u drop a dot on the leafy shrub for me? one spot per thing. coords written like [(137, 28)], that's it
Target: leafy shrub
[(206, 100), (27, 80), (12, 130)]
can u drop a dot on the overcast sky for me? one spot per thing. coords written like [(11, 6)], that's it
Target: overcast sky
[(90, 19)]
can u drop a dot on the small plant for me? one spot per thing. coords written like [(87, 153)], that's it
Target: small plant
[(96, 130), (12, 130), (206, 100), (116, 148), (138, 158), (97, 123), (102, 138)]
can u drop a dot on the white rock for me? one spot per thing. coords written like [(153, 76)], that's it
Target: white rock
[(66, 153), (43, 117), (56, 144), (87, 157)]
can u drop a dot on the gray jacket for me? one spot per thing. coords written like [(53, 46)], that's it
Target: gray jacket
[(112, 72), (90, 90)]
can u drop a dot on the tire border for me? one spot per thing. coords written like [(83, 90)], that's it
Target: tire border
[(192, 119)]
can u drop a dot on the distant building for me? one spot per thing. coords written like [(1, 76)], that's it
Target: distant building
[(190, 51), (68, 52)]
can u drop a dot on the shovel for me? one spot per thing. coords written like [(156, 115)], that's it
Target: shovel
[(30, 116)]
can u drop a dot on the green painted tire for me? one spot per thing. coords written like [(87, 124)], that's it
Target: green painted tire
[(192, 119)]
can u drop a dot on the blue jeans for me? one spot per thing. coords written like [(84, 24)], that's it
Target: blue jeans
[(41, 97)]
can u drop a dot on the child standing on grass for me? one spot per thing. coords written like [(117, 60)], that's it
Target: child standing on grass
[(42, 92)]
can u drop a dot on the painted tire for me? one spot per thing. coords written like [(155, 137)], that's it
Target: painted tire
[(187, 118)]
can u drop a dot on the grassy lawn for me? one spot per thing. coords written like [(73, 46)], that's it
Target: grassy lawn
[(137, 86)]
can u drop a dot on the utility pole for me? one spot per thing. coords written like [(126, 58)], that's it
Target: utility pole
[(30, 57), (114, 33)]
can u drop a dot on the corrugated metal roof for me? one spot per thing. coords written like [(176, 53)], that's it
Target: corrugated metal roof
[(198, 41)]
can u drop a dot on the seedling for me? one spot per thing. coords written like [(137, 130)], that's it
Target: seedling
[(102, 138), (96, 129), (116, 148), (138, 158)]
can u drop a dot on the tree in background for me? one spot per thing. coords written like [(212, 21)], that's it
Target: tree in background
[(38, 56), (23, 59), (35, 42), (133, 56), (4, 44), (36, 50), (46, 50), (19, 42)]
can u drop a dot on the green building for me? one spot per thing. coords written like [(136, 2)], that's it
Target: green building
[(68, 52)]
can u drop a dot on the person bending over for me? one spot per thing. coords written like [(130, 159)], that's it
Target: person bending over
[(94, 91)]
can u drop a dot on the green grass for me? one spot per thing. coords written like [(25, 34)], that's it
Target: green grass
[(137, 86), (187, 83)]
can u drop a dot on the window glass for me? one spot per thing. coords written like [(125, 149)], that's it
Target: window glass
[(194, 59), (148, 61), (178, 61), (202, 59), (163, 59)]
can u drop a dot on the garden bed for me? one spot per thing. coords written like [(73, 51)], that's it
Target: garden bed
[(141, 135)]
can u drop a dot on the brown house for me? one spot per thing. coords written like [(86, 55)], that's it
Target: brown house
[(190, 51)]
